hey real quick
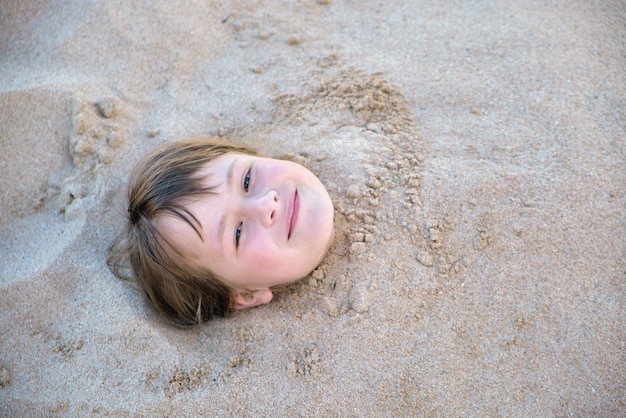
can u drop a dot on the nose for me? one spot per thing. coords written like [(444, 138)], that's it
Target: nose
[(265, 207)]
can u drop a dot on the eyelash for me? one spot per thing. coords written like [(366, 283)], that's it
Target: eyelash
[(246, 181), (246, 187), (237, 235)]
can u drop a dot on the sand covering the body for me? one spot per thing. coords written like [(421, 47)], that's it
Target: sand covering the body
[(475, 153)]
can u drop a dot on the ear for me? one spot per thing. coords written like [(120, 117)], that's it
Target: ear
[(245, 299)]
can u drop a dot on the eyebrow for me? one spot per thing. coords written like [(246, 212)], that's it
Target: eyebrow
[(222, 225)]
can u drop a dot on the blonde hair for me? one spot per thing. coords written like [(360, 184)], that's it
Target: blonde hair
[(159, 185)]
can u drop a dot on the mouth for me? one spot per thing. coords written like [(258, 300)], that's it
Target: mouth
[(292, 218)]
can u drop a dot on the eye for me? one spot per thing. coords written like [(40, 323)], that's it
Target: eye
[(237, 235), (246, 181)]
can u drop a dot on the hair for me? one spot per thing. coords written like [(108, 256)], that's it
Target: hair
[(160, 184)]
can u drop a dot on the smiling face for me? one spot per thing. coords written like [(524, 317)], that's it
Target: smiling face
[(266, 223)]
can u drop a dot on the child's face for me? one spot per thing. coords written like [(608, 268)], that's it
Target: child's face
[(268, 223)]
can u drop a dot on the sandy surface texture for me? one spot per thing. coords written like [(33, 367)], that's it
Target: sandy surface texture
[(476, 155)]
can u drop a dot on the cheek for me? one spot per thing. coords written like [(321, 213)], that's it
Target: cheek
[(262, 255), (276, 263)]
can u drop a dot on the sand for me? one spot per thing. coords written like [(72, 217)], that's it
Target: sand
[(476, 156)]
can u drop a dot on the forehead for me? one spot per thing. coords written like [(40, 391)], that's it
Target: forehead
[(216, 170), (221, 164)]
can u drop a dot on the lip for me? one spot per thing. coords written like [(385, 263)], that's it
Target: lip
[(292, 218)]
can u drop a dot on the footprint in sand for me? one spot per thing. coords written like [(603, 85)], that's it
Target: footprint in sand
[(54, 188)]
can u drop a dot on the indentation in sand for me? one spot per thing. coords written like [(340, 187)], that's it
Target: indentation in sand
[(68, 140)]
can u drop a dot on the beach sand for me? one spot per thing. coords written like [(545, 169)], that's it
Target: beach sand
[(476, 156)]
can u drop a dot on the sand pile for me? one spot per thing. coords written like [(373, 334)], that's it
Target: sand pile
[(475, 155)]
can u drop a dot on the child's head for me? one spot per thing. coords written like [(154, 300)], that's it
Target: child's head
[(212, 227)]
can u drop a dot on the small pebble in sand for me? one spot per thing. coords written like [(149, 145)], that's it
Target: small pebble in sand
[(357, 237), (5, 377), (234, 361), (357, 247), (425, 258), (392, 165), (373, 183), (318, 273), (330, 307), (294, 40), (374, 127), (434, 234), (257, 70), (106, 107), (360, 299), (353, 192)]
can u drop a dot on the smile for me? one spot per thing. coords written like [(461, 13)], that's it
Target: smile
[(292, 218)]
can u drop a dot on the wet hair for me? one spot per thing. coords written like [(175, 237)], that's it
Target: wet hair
[(159, 185)]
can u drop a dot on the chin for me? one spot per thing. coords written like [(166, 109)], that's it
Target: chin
[(329, 241)]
